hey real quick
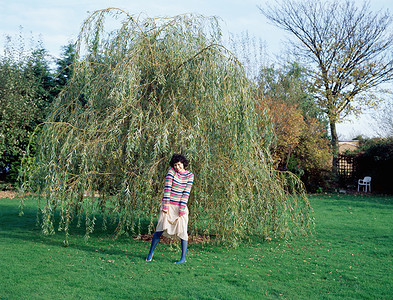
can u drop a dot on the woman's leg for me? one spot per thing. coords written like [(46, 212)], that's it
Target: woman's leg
[(184, 245), (154, 242)]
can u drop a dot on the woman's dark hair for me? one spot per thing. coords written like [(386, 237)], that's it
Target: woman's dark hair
[(176, 158)]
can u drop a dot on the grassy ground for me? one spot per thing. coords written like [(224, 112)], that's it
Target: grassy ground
[(350, 256)]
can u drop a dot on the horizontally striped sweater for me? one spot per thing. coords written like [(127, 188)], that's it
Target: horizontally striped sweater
[(177, 189)]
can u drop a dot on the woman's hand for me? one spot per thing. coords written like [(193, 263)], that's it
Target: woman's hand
[(165, 211)]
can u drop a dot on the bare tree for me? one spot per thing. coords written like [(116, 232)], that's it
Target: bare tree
[(348, 47), (384, 120)]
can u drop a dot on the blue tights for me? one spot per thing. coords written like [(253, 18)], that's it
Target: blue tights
[(154, 242), (156, 239), (184, 245)]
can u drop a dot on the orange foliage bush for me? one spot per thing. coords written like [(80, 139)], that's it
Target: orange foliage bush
[(301, 145)]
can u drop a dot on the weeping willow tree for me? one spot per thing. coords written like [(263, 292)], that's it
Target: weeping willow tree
[(141, 92)]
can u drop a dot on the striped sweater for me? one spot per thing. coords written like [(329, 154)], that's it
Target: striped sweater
[(177, 189)]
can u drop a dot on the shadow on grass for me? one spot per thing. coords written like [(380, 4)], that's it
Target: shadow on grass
[(94, 246), (27, 228)]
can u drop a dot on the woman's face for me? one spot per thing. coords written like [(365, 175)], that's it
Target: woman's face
[(179, 167)]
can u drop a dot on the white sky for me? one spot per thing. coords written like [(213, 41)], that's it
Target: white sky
[(57, 23)]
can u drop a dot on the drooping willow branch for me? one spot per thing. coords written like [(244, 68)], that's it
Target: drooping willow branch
[(140, 93)]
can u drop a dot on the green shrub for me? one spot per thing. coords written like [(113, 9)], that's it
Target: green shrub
[(376, 160)]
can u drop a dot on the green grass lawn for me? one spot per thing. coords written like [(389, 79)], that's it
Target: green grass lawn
[(350, 256)]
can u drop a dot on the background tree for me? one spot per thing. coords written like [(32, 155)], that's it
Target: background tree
[(142, 92), (289, 83), (312, 157), (301, 144), (37, 70), (350, 49), (288, 125), (64, 67), (28, 86), (25, 84), (384, 119)]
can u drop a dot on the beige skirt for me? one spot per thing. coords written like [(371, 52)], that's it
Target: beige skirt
[(173, 225)]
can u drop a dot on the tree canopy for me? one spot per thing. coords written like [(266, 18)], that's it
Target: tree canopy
[(25, 94), (349, 48), (301, 144), (28, 87), (141, 92)]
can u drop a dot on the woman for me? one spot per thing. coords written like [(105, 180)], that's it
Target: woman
[(173, 218)]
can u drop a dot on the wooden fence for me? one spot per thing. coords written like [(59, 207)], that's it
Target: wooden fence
[(347, 167)]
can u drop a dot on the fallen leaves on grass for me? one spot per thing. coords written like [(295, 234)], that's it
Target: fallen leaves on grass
[(8, 194), (192, 239)]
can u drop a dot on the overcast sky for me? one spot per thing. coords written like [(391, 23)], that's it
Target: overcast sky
[(56, 23)]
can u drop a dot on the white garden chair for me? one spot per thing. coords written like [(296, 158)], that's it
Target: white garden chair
[(365, 183)]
